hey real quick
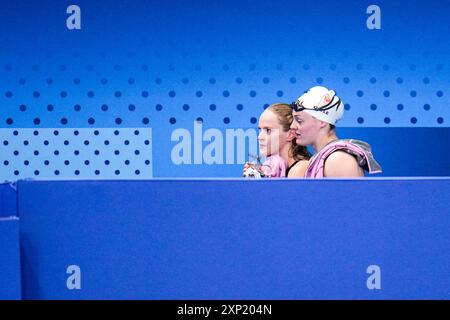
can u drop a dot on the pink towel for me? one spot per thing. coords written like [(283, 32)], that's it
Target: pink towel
[(358, 148), (274, 167)]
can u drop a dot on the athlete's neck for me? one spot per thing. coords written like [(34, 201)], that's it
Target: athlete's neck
[(286, 154), (324, 140)]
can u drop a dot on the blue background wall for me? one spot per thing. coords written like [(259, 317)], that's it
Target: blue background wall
[(103, 101)]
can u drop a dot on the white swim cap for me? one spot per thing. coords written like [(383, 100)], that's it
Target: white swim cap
[(321, 103)]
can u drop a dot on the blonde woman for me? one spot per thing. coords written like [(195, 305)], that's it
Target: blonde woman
[(284, 157)]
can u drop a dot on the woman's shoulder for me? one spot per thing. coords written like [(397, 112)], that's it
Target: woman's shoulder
[(342, 164), (298, 169)]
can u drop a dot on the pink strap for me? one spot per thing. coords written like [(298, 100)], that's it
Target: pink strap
[(274, 166)]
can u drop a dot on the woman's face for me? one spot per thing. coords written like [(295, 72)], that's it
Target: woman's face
[(305, 127), (272, 137)]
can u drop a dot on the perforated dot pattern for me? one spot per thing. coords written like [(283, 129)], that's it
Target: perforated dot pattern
[(73, 153)]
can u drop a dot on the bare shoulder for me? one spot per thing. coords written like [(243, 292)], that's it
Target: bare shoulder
[(342, 164), (299, 169)]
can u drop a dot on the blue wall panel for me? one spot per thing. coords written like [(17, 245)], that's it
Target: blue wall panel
[(414, 152), (10, 285), (8, 200), (229, 239)]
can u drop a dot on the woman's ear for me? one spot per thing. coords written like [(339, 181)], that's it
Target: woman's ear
[(323, 124), (291, 136)]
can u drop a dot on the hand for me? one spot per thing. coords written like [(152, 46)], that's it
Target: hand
[(247, 166)]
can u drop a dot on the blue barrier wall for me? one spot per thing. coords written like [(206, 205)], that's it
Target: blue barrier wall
[(10, 275), (235, 239), (8, 200)]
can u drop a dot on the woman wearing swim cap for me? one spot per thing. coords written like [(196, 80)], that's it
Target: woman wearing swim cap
[(284, 158), (315, 115)]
